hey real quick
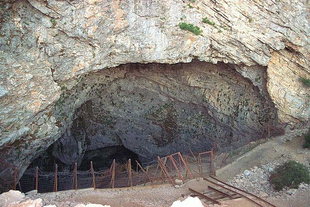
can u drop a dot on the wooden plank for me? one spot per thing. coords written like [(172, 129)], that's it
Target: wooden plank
[(205, 197), (242, 191), (174, 154), (206, 152), (220, 197), (206, 179), (220, 192), (233, 191)]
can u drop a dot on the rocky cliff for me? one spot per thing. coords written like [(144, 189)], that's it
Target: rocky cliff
[(55, 55)]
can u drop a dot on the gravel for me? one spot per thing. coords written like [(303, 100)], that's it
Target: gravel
[(256, 181)]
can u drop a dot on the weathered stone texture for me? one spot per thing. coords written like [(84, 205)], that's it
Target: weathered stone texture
[(289, 94)]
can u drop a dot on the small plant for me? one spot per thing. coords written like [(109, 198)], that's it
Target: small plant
[(305, 81), (190, 27), (207, 21), (224, 27), (53, 21), (307, 140), (289, 174), (190, 6)]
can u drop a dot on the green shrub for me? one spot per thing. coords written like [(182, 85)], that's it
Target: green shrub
[(190, 6), (190, 27), (307, 140), (53, 21), (207, 21), (289, 174), (305, 81)]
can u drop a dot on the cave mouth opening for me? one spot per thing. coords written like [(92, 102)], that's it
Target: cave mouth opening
[(141, 111), (101, 158), (149, 110)]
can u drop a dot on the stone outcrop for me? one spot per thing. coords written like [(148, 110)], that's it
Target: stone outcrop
[(48, 46), (290, 96)]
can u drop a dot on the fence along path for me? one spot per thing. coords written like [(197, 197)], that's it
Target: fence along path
[(166, 169)]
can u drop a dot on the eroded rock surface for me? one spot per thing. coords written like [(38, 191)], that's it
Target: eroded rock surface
[(47, 46)]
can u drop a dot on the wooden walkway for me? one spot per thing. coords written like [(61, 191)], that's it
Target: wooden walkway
[(218, 191)]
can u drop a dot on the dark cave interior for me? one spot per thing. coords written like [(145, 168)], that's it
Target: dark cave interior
[(102, 159)]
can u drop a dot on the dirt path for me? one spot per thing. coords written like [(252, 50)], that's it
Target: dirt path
[(150, 196), (287, 147)]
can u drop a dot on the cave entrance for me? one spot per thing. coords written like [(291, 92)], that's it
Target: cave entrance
[(150, 110), (141, 111), (102, 158)]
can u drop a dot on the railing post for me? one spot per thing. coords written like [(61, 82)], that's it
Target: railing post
[(164, 170), (212, 167), (144, 171), (200, 165), (113, 174), (75, 184), (15, 174), (268, 131), (193, 154), (186, 165), (176, 167), (129, 173), (37, 179), (56, 178), (93, 174)]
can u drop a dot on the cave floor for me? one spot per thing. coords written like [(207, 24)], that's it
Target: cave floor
[(287, 146), (146, 196)]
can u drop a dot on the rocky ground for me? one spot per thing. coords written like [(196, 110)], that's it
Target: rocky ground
[(256, 180), (255, 177)]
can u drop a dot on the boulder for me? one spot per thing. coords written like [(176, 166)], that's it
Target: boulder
[(11, 197)]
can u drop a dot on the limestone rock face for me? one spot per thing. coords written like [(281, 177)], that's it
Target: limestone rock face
[(291, 97), (48, 46)]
